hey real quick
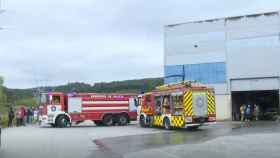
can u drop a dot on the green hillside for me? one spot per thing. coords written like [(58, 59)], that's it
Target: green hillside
[(26, 96)]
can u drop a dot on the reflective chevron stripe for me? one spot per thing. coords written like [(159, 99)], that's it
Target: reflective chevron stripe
[(177, 121), (211, 103), (157, 121), (188, 104)]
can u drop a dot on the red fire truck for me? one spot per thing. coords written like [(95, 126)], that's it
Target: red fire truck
[(60, 110), (177, 106)]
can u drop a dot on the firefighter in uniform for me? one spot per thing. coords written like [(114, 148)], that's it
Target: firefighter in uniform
[(256, 112), (242, 112)]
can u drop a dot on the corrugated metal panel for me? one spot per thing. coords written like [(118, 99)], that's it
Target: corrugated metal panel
[(205, 73), (252, 26), (194, 28), (255, 57), (220, 88), (209, 57), (250, 44), (195, 43), (174, 70), (255, 84)]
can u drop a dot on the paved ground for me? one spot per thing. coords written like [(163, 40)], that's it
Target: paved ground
[(221, 140), (260, 141), (75, 142)]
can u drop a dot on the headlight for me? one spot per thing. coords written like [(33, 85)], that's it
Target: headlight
[(188, 119)]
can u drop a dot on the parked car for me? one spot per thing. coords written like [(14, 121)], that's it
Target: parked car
[(270, 114)]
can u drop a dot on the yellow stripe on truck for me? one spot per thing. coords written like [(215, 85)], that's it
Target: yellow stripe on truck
[(177, 121), (188, 104), (157, 121), (211, 103)]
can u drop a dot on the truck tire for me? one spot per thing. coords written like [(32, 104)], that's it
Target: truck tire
[(98, 123), (53, 125), (149, 121), (62, 121), (166, 123), (123, 119), (108, 120)]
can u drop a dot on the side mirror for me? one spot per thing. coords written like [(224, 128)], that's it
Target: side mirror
[(136, 102)]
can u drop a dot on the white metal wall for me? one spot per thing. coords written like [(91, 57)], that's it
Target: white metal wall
[(253, 45), (255, 84), (223, 107), (249, 45), (194, 43)]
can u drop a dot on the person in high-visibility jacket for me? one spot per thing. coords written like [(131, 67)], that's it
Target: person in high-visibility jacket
[(242, 112), (256, 112)]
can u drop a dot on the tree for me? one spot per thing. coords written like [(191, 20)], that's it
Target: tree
[(1, 81), (3, 97), (1, 89), (28, 101)]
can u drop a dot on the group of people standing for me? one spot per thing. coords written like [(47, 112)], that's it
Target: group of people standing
[(249, 112), (23, 116)]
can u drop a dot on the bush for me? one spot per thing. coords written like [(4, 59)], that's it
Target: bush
[(4, 121)]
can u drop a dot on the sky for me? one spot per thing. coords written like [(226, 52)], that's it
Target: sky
[(54, 42)]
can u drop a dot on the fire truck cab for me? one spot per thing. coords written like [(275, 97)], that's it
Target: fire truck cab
[(178, 106), (60, 110)]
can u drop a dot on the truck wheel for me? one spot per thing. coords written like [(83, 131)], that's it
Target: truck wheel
[(122, 120), (142, 121), (148, 121), (98, 123), (166, 124), (62, 122), (108, 120), (53, 125)]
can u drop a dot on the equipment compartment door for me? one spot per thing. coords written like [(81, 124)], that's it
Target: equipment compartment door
[(200, 104), (75, 105)]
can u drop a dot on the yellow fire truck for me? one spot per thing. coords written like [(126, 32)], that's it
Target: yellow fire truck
[(182, 105)]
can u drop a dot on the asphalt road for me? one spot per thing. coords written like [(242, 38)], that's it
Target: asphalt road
[(47, 142), (221, 140)]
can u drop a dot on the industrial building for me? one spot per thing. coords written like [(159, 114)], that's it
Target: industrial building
[(238, 56)]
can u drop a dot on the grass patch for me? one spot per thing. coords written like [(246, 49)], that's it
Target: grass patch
[(4, 121)]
